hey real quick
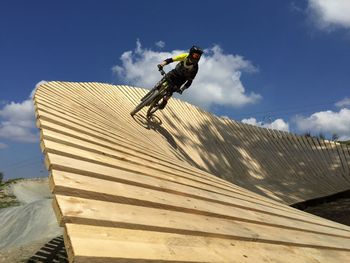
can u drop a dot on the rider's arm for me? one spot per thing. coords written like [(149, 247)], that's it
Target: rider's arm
[(180, 57), (166, 62), (187, 84)]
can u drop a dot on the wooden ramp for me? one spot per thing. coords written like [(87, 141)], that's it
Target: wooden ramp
[(185, 187)]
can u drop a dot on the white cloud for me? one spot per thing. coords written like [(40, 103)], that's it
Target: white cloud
[(218, 80), (3, 145), (17, 121), (160, 44), (343, 103), (277, 124), (326, 122), (330, 13), (37, 86), (295, 7)]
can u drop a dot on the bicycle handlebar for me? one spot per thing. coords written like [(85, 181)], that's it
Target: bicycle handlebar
[(160, 68)]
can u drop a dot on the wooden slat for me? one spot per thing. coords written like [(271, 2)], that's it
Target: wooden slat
[(101, 213), (51, 136), (67, 164), (93, 244)]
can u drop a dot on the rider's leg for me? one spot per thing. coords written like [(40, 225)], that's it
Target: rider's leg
[(165, 99), (164, 102)]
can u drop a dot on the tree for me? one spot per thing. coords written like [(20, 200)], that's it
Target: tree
[(1, 177), (335, 137)]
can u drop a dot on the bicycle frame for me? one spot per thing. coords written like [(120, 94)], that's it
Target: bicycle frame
[(152, 98)]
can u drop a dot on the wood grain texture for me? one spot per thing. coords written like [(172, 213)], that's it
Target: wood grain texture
[(185, 187)]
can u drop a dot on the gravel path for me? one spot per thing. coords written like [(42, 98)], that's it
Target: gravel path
[(27, 226)]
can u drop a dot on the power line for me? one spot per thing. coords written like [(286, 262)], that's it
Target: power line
[(279, 111)]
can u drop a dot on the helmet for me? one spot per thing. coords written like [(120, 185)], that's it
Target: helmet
[(195, 54), (196, 49)]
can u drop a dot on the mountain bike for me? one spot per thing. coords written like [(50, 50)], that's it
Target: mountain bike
[(160, 91)]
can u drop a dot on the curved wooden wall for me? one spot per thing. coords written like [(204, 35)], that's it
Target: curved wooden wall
[(185, 187)]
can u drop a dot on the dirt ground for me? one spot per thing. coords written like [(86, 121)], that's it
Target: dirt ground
[(21, 254), (335, 208), (338, 211)]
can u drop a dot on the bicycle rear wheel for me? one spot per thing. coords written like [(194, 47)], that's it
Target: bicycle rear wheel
[(152, 108), (145, 102), (155, 103)]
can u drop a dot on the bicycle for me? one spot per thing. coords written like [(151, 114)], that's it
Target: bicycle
[(161, 90)]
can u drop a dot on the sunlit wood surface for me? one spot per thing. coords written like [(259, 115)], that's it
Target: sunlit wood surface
[(186, 186)]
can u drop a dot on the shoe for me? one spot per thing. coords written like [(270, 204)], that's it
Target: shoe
[(162, 104)]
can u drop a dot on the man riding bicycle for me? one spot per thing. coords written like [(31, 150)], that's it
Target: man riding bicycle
[(183, 74)]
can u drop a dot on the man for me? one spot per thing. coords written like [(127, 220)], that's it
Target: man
[(184, 72)]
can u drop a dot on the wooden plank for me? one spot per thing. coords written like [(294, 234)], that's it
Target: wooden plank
[(280, 165), (78, 110), (52, 120), (101, 244), (48, 136), (347, 158), (262, 174), (237, 137), (100, 213), (193, 176), (276, 170), (67, 121), (343, 160), (336, 165), (322, 162), (231, 143), (314, 165), (176, 186), (284, 151), (291, 153), (83, 186), (99, 155), (185, 124), (111, 151)]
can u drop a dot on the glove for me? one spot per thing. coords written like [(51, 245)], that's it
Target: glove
[(160, 67)]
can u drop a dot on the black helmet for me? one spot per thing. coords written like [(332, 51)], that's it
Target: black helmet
[(196, 49), (195, 54)]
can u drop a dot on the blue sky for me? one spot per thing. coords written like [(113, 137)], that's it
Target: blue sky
[(279, 64)]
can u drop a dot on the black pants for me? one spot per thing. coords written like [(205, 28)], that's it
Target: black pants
[(175, 80)]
